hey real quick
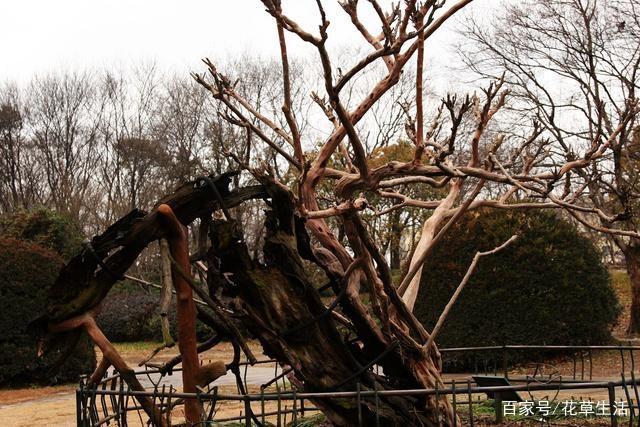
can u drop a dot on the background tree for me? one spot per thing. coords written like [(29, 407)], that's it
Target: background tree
[(19, 184), (573, 67), (66, 113)]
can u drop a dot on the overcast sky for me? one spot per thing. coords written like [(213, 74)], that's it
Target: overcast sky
[(40, 36)]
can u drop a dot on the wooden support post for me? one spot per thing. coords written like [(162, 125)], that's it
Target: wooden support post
[(186, 311)]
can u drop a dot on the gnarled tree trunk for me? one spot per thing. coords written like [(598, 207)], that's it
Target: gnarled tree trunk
[(276, 301), (285, 312)]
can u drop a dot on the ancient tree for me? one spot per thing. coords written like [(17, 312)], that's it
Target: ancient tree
[(328, 345)]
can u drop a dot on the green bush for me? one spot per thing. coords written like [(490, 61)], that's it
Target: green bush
[(45, 227), (134, 316), (27, 270), (548, 288)]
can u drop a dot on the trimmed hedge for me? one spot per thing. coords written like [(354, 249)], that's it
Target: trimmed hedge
[(27, 270), (134, 316), (549, 287), (44, 227)]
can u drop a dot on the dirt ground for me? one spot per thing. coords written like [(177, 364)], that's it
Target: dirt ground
[(55, 406)]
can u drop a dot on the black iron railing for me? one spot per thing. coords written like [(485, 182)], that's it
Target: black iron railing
[(110, 402)]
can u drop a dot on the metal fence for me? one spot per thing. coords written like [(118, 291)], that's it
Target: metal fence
[(498, 359), (112, 403)]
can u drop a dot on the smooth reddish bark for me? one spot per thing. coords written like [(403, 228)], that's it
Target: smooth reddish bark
[(186, 310)]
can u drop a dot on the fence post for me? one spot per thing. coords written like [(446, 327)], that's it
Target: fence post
[(455, 407), (437, 403), (375, 396), (635, 392), (629, 399), (279, 422), (247, 411), (295, 407), (504, 361), (498, 407), (612, 403), (359, 404), (79, 408), (470, 398), (262, 410), (122, 410)]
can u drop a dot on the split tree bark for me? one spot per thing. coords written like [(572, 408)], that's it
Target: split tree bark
[(82, 284), (284, 311), (278, 303)]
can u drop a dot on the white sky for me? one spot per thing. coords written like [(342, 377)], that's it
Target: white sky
[(40, 36)]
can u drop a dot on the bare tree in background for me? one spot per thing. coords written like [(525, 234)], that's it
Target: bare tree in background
[(65, 115), (131, 158), (182, 121), (19, 183), (573, 67)]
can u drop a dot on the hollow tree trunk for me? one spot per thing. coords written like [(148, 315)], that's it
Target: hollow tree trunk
[(279, 304), (87, 278), (285, 312), (632, 261)]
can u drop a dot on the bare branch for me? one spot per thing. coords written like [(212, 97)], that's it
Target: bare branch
[(463, 283)]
